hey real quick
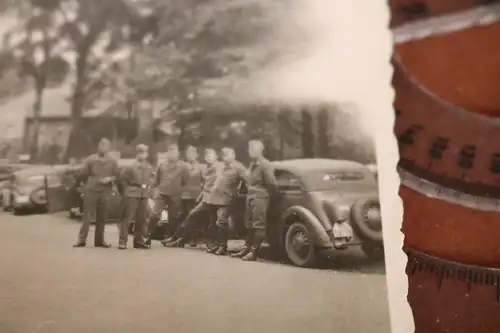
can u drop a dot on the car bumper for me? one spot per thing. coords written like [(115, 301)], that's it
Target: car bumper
[(23, 205)]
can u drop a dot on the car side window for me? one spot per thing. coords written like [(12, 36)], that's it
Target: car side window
[(287, 180)]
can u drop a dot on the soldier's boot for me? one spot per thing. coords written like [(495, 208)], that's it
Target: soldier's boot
[(223, 239), (143, 246), (178, 239), (212, 249), (178, 242), (253, 254), (147, 241), (246, 248), (194, 241), (169, 240)]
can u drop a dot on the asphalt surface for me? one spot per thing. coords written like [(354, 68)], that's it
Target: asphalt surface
[(46, 286)]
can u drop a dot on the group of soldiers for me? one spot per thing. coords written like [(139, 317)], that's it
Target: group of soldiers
[(195, 195)]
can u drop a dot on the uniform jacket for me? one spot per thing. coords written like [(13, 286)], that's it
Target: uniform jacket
[(137, 180), (209, 176), (226, 184), (95, 168), (261, 181), (171, 177), (194, 182)]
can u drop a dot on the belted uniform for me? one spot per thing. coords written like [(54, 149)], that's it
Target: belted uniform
[(171, 176), (97, 194), (201, 211), (222, 193), (192, 189), (261, 184), (221, 182), (136, 192)]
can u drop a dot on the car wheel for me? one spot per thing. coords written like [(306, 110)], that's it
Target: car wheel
[(367, 222), (299, 249), (373, 252)]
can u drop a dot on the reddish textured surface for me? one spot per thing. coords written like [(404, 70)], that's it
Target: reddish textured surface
[(461, 67), (400, 15), (441, 119), (450, 231), (452, 308)]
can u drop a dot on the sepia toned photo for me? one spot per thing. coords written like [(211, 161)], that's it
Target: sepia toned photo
[(198, 165)]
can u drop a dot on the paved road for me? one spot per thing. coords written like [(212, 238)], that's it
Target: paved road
[(46, 286)]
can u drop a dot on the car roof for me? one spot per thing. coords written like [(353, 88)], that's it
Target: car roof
[(40, 169), (314, 164)]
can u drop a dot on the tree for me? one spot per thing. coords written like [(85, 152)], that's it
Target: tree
[(35, 47), (97, 35)]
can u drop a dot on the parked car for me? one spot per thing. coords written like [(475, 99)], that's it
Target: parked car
[(301, 219), (26, 189), (6, 171)]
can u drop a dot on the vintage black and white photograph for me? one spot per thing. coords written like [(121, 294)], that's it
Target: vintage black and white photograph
[(193, 166)]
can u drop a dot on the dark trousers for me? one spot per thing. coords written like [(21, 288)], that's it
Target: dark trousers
[(256, 221), (95, 208), (204, 214), (173, 204), (135, 209), (188, 205)]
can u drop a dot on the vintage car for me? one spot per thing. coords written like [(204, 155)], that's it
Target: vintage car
[(302, 219), (6, 171), (26, 190)]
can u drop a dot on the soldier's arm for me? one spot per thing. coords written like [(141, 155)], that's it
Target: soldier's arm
[(127, 177), (116, 172), (157, 176), (243, 173), (184, 175), (85, 171)]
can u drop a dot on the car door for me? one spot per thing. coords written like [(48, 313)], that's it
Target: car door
[(290, 193)]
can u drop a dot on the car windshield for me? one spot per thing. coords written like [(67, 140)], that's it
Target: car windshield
[(326, 180)]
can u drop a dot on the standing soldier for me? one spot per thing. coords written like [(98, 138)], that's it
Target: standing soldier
[(261, 186), (192, 188), (202, 210), (224, 190), (171, 176), (136, 181), (100, 172)]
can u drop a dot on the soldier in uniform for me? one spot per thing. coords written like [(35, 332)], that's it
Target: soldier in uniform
[(203, 210), (261, 186), (171, 176), (192, 188), (136, 181), (224, 190), (100, 172)]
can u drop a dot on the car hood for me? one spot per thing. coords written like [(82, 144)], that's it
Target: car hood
[(345, 197)]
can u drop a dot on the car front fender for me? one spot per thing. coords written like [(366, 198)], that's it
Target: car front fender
[(318, 232)]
